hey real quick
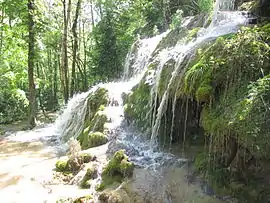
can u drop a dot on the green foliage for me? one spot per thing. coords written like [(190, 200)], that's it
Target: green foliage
[(13, 105), (205, 6), (232, 79), (176, 19), (193, 33)]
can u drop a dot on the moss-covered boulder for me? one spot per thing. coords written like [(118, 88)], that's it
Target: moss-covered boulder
[(84, 199), (61, 166), (97, 123), (114, 196), (73, 163), (91, 173), (136, 106), (94, 139), (96, 101), (98, 98), (92, 135), (118, 168)]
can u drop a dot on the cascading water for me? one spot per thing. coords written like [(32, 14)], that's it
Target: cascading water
[(137, 60), (222, 23), (155, 180)]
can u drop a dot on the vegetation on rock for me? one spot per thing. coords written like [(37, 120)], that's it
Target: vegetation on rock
[(73, 163), (118, 168), (94, 139), (91, 173)]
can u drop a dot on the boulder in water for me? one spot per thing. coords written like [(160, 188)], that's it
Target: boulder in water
[(118, 168), (114, 196), (61, 166), (94, 139), (91, 173)]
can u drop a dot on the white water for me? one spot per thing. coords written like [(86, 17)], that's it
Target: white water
[(25, 174), (137, 60), (222, 23)]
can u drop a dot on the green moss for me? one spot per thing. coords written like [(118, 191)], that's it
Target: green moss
[(109, 182), (136, 106), (250, 6), (193, 33), (232, 79), (73, 164), (98, 98), (91, 173), (204, 93), (97, 123), (96, 101), (94, 139), (87, 138), (165, 77), (101, 108), (61, 166), (116, 170), (83, 199), (86, 158)]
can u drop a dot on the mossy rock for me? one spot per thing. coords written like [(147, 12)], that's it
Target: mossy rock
[(86, 158), (250, 6), (98, 98), (118, 168), (91, 173), (114, 196), (61, 166), (109, 182), (74, 163), (137, 105), (227, 78), (97, 123), (96, 101), (119, 164), (94, 139), (84, 199), (165, 77)]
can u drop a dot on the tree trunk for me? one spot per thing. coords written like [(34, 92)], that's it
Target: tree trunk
[(64, 61), (55, 82), (75, 47), (85, 83), (31, 58), (92, 14), (1, 31)]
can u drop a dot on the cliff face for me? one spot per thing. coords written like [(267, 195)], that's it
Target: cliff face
[(217, 95)]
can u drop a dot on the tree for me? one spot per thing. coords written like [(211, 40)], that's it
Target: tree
[(75, 47), (31, 63), (64, 60)]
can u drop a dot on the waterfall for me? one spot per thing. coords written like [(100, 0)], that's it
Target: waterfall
[(224, 21), (139, 55), (71, 122)]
